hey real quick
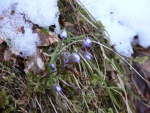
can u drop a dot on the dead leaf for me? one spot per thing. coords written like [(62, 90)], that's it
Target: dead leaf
[(40, 63), (43, 37), (46, 39), (34, 64), (53, 39)]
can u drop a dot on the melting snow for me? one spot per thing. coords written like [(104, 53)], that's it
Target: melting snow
[(17, 18), (123, 19)]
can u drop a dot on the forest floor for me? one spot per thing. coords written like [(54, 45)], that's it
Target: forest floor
[(53, 81)]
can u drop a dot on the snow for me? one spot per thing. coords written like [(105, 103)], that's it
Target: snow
[(123, 19), (44, 13)]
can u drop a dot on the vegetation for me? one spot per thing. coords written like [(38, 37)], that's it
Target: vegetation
[(92, 80)]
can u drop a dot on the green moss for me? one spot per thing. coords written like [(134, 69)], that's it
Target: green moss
[(3, 98), (141, 60)]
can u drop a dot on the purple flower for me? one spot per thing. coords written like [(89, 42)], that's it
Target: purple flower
[(53, 66), (63, 34), (87, 55), (74, 57), (87, 42), (57, 88), (66, 56)]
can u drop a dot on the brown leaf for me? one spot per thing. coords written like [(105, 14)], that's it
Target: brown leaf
[(43, 37), (53, 39), (34, 64), (40, 63), (46, 39)]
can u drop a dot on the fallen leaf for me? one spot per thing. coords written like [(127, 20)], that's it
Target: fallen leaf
[(43, 37), (40, 63), (46, 37), (53, 39), (34, 64)]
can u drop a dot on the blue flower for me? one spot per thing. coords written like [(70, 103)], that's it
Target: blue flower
[(74, 57), (53, 66), (63, 34), (57, 88), (87, 55), (87, 42), (66, 56)]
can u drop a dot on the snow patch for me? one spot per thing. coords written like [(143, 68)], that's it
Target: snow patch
[(123, 19), (18, 18)]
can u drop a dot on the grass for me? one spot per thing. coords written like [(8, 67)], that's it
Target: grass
[(99, 85)]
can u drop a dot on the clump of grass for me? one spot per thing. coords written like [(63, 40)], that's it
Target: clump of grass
[(88, 85)]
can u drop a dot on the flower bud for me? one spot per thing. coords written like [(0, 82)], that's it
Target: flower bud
[(87, 55), (66, 56), (57, 88), (74, 57), (53, 66), (87, 42), (63, 34)]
